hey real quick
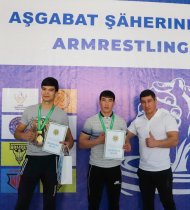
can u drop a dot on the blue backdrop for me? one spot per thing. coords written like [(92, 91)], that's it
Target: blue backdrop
[(172, 87)]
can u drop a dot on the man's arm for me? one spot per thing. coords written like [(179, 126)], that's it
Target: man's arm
[(86, 143), (170, 141), (22, 135), (69, 139), (127, 145)]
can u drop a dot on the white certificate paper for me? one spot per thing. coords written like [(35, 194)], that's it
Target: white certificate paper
[(55, 134), (114, 141)]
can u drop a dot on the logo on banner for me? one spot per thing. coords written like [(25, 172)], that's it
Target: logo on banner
[(19, 150), (20, 98), (173, 96), (13, 124), (67, 100), (17, 99), (13, 180)]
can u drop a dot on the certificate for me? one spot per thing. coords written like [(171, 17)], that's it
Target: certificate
[(114, 141), (55, 134)]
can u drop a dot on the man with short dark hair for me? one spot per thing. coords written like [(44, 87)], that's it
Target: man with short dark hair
[(38, 164), (157, 131), (102, 171)]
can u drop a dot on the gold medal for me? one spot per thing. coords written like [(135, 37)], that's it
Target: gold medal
[(39, 139), (39, 132)]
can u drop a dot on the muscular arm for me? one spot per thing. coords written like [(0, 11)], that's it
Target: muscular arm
[(127, 145), (170, 141), (86, 143), (21, 135)]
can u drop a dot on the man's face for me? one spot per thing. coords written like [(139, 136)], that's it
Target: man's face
[(106, 105), (48, 93), (149, 105)]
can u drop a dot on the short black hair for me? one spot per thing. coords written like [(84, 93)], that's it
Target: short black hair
[(147, 92), (107, 94), (50, 81)]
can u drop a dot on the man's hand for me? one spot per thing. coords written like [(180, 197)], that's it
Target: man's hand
[(30, 135), (101, 138), (151, 141), (127, 147)]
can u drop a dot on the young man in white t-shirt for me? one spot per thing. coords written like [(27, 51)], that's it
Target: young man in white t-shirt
[(157, 131)]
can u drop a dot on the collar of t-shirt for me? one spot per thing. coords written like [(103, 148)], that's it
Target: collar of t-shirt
[(104, 116), (157, 114)]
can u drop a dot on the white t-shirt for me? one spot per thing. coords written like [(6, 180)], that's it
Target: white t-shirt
[(154, 159)]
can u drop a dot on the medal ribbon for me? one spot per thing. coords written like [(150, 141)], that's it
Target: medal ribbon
[(40, 127), (102, 122)]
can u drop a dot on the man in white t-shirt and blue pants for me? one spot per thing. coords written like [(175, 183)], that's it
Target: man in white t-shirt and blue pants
[(157, 131)]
